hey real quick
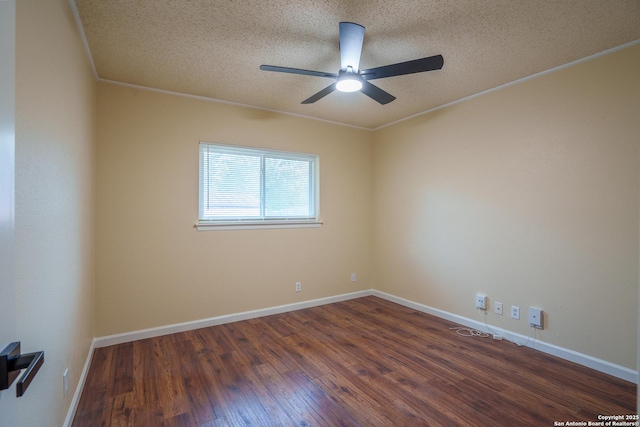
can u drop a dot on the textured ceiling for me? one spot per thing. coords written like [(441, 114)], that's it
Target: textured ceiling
[(213, 48)]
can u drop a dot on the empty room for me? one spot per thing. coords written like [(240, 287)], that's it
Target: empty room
[(297, 213)]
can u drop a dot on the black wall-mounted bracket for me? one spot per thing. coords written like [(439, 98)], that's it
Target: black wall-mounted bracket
[(12, 362)]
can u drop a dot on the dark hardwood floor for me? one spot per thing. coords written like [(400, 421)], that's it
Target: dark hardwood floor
[(363, 362)]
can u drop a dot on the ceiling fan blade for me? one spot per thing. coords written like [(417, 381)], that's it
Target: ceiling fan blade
[(375, 93), (416, 66), (297, 71), (324, 92), (351, 38)]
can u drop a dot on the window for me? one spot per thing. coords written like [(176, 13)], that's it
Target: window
[(253, 188)]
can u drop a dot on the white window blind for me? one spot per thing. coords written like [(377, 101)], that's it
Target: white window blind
[(249, 185)]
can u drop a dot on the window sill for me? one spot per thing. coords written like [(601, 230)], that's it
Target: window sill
[(258, 225)]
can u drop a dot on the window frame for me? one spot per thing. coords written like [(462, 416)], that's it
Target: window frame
[(204, 224)]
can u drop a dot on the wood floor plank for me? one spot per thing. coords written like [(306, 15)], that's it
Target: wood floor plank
[(324, 409), (122, 367), (362, 362), (292, 400), (203, 410), (96, 387), (359, 404), (117, 412)]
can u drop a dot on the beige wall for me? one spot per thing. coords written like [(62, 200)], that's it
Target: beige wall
[(153, 268), (528, 194), (55, 107)]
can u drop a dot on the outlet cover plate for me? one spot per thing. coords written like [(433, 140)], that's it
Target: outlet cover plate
[(515, 312), (535, 317), (497, 308), (481, 301)]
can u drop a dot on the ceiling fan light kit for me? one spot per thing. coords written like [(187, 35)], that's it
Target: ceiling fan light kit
[(350, 78), (349, 81)]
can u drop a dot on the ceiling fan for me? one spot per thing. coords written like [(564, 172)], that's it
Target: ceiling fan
[(350, 78)]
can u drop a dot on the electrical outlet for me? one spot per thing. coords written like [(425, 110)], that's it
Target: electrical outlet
[(515, 312), (535, 318), (497, 308), (353, 277), (481, 301), (298, 286), (65, 383)]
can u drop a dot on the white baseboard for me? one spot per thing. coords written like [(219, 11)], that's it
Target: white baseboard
[(76, 396), (187, 326), (219, 320), (519, 339), (564, 353)]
